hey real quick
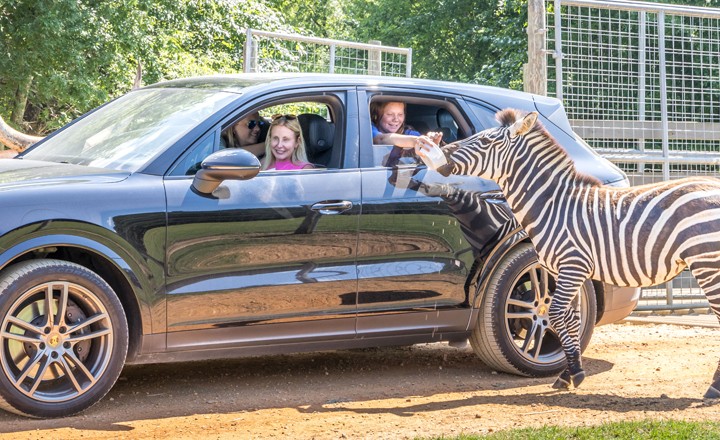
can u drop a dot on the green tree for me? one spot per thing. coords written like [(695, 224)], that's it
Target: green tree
[(60, 58), (473, 41), (325, 19)]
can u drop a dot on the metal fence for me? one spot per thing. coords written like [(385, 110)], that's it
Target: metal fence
[(641, 83), (278, 52)]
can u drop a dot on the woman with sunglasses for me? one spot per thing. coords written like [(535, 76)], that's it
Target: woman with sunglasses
[(245, 134), (284, 145)]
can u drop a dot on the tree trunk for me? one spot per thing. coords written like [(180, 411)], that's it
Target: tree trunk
[(14, 139), (21, 97)]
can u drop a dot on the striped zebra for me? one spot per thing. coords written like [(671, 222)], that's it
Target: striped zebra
[(639, 236)]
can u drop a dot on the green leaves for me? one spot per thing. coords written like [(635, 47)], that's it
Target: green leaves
[(478, 41), (61, 58)]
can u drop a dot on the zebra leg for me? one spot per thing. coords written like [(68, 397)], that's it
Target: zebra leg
[(572, 321), (706, 270), (713, 392), (567, 324)]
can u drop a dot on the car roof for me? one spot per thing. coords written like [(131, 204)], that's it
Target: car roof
[(238, 82)]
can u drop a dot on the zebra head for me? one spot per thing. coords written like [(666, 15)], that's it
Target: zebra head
[(487, 153)]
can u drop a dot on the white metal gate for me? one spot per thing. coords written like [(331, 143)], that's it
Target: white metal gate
[(278, 52)]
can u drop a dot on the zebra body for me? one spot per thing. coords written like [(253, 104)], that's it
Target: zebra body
[(639, 236), (635, 237)]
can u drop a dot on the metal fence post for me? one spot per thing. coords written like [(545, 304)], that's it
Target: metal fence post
[(558, 52), (408, 64), (642, 85), (663, 94), (249, 57), (332, 59)]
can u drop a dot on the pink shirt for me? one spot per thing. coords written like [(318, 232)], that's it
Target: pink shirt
[(283, 165)]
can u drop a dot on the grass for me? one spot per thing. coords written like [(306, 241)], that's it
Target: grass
[(660, 430)]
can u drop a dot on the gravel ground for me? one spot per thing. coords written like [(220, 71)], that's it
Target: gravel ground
[(636, 372)]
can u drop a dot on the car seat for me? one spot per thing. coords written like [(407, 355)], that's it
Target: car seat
[(264, 128), (419, 126), (447, 125), (318, 134)]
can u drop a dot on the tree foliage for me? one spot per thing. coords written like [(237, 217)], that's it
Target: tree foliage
[(479, 41), (61, 58)]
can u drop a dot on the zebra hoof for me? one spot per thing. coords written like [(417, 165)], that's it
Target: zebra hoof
[(712, 393), (561, 384), (563, 381), (577, 378)]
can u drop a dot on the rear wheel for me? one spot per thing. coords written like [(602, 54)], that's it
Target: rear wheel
[(513, 332), (63, 337)]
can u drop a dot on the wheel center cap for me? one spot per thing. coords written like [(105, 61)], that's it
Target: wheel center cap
[(542, 309), (53, 340)]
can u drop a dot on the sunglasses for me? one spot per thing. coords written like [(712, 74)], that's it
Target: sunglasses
[(252, 123), (287, 117)]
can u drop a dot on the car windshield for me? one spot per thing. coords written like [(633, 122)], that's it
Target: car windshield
[(132, 129)]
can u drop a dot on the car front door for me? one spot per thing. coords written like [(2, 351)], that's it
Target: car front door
[(267, 259)]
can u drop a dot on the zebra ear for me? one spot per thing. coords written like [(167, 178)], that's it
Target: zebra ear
[(522, 127)]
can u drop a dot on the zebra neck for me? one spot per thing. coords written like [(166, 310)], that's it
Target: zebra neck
[(540, 183)]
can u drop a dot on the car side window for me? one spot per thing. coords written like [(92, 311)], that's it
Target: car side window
[(485, 115), (190, 164), (321, 120), (317, 127), (422, 115)]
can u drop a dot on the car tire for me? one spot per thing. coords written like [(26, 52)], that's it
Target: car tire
[(58, 360), (513, 332)]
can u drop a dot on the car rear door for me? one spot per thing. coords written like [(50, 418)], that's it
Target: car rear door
[(414, 257)]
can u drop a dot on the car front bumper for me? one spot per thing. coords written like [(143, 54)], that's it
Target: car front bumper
[(619, 303)]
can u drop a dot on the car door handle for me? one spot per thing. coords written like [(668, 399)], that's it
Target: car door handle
[(495, 197), (332, 207)]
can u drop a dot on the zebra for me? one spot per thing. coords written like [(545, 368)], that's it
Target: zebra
[(637, 236)]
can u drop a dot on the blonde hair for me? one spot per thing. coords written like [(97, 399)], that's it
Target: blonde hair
[(299, 155)]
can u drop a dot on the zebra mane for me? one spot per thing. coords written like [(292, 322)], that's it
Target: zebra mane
[(509, 116)]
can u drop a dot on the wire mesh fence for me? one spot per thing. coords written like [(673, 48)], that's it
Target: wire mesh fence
[(641, 84), (278, 52)]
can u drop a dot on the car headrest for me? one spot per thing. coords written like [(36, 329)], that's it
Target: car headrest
[(444, 118), (318, 133), (447, 125)]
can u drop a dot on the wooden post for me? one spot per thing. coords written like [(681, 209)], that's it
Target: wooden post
[(375, 59), (535, 71)]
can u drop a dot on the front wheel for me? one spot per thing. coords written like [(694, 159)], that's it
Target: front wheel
[(63, 337), (513, 332)]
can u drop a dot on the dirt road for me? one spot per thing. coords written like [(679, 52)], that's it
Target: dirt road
[(636, 372)]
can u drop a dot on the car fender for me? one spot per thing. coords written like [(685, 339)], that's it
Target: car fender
[(490, 263), (139, 275)]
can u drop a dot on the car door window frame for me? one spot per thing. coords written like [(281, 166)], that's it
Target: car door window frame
[(453, 103), (337, 101)]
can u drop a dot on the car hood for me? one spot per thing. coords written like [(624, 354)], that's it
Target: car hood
[(25, 173)]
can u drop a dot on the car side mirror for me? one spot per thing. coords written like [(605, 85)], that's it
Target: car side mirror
[(227, 164)]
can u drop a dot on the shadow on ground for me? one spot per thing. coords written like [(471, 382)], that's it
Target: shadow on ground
[(322, 382)]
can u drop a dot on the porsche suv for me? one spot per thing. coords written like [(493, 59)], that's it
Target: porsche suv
[(132, 236)]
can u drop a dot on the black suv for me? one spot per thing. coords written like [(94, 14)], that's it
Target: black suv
[(132, 236)]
